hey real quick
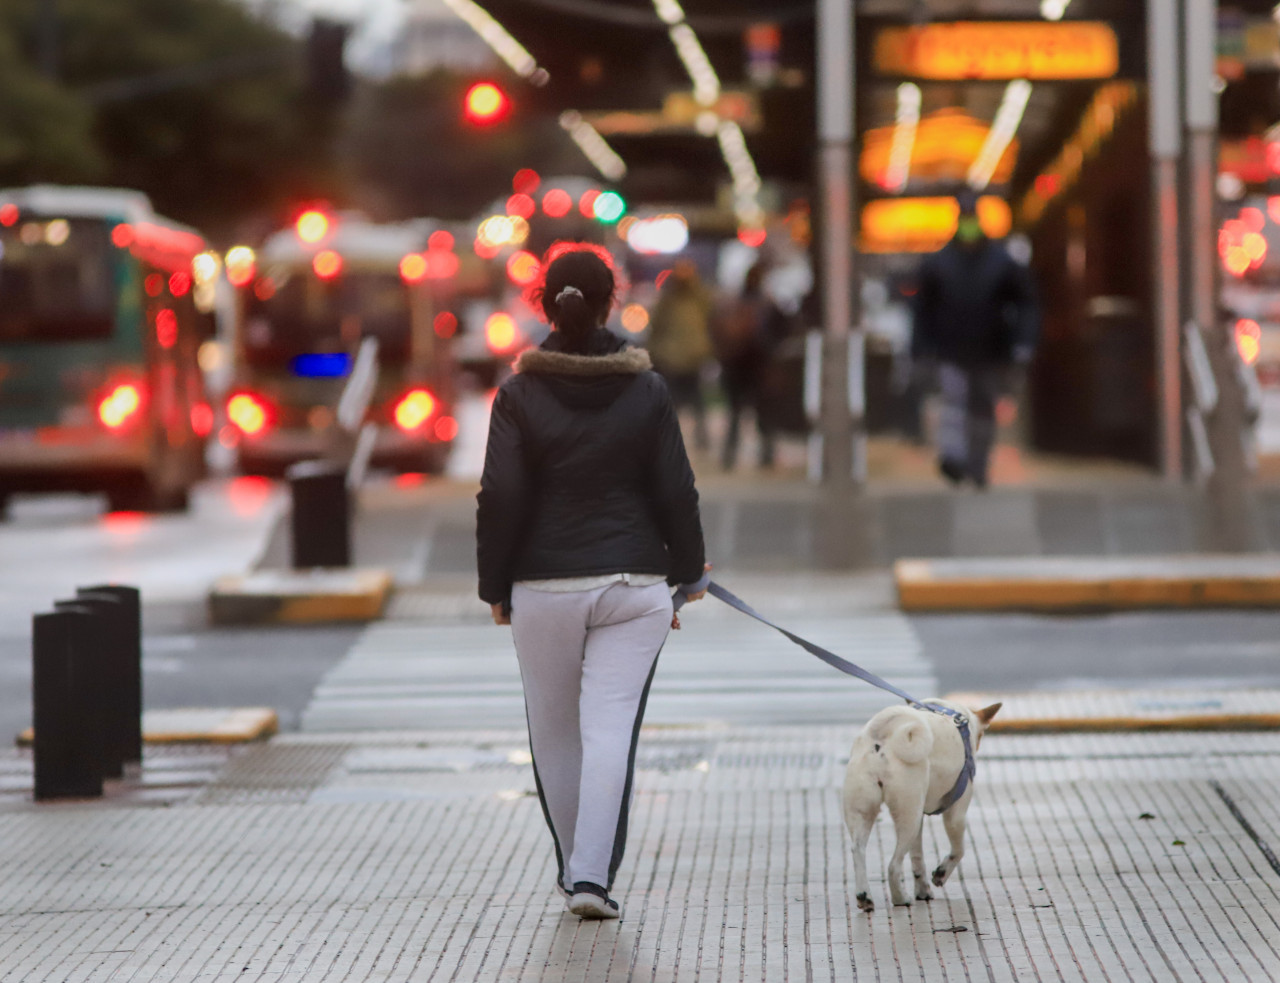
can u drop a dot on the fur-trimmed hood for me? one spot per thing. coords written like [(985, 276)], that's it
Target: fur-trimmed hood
[(541, 361), (589, 382)]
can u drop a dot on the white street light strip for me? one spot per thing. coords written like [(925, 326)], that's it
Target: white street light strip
[(706, 92), (904, 137), (1053, 9), (669, 10), (1007, 121), (603, 157), (598, 152), (706, 85), (746, 179), (496, 37)]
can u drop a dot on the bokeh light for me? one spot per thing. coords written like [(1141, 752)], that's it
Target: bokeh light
[(635, 318), (557, 203)]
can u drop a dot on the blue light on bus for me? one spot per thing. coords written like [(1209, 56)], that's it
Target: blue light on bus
[(317, 365)]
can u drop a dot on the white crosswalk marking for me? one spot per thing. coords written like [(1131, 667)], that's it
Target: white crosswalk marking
[(721, 666)]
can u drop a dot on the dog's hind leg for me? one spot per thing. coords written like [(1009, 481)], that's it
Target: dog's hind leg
[(953, 823), (860, 831), (907, 811), (923, 891)]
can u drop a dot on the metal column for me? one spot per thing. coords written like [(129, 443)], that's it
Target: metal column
[(1165, 143), (840, 419), (1234, 521)]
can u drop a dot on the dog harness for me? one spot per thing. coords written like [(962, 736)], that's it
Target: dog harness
[(970, 767)]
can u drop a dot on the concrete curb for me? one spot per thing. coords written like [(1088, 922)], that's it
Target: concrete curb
[(1129, 710), (1082, 584), (300, 596), (199, 725)]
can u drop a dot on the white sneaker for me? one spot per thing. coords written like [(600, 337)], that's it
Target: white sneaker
[(591, 901)]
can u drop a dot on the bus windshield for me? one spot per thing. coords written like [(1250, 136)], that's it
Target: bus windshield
[(292, 313), (57, 281)]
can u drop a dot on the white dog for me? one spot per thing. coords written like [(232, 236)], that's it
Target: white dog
[(910, 760)]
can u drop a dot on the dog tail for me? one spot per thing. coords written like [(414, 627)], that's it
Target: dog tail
[(911, 740)]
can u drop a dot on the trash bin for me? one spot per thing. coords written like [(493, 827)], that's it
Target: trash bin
[(320, 523)]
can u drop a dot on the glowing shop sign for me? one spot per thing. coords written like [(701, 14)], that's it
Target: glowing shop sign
[(998, 50), (923, 225), (946, 144)]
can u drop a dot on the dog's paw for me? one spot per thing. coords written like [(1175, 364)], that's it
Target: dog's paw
[(903, 902), (923, 893), (940, 875), (865, 903)]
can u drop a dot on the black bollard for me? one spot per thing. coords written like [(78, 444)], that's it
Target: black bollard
[(63, 690), (127, 714), (320, 524), (104, 661)]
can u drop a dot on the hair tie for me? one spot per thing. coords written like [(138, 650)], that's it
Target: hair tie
[(567, 291)]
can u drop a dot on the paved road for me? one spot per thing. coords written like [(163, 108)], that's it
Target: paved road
[(448, 668), (1188, 649), (53, 544), (720, 667)]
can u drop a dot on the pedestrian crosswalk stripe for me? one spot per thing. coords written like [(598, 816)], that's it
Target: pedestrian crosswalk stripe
[(407, 675)]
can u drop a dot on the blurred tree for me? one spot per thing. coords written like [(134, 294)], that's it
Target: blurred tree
[(44, 130), (412, 152), (196, 102)]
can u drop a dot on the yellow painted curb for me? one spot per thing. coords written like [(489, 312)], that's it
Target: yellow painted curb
[(199, 725), (300, 597), (1129, 710), (925, 586)]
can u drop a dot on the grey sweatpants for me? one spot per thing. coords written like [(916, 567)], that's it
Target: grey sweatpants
[(967, 423), (587, 659)]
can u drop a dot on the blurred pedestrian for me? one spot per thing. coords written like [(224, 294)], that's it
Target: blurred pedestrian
[(744, 332), (976, 315), (680, 341), (587, 511)]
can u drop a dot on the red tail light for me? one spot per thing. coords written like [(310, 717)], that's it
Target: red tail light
[(202, 419), (446, 428), (249, 413), (414, 409), (120, 406), (327, 264)]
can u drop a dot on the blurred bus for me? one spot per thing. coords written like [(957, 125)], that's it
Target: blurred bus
[(100, 330), (306, 300)]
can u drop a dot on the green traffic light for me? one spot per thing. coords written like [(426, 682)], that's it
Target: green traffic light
[(609, 207)]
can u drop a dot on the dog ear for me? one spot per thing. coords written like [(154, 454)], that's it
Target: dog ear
[(986, 713)]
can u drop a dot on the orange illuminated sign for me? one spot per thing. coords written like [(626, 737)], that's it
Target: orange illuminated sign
[(946, 144), (923, 225), (998, 50)]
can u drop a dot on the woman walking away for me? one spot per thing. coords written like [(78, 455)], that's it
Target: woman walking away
[(587, 512)]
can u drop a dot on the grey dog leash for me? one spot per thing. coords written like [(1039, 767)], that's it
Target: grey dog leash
[(830, 658), (850, 669)]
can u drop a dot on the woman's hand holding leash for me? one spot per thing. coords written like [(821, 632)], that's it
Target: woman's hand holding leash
[(691, 592), (501, 616)]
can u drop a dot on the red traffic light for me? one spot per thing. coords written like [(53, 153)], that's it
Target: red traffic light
[(312, 225), (485, 103)]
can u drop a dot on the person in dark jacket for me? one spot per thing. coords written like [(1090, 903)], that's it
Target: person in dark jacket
[(587, 515), (745, 331), (977, 316)]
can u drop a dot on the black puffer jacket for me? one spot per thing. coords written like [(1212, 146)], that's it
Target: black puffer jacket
[(975, 304), (585, 473)]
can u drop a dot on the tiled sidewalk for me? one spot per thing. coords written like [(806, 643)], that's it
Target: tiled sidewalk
[(423, 856)]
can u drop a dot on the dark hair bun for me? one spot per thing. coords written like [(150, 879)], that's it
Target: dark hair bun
[(576, 291)]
